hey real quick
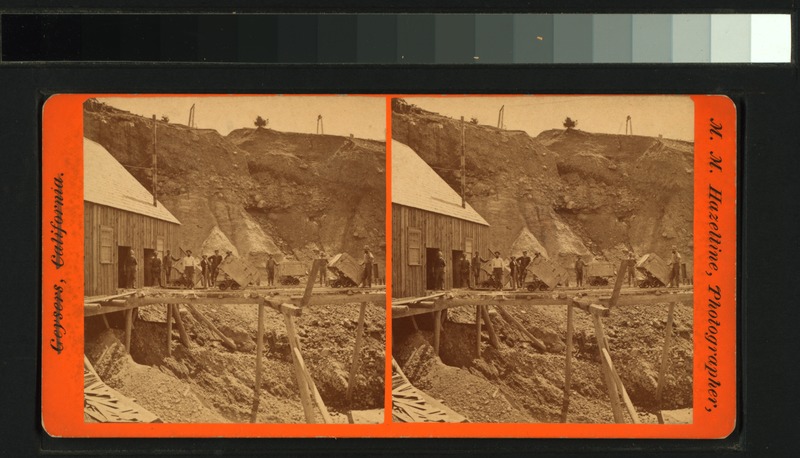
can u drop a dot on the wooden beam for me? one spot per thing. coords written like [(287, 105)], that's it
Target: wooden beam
[(411, 300), (226, 341), (623, 269), (568, 365), (507, 316), (414, 322), (302, 383), (259, 358), (478, 317), (128, 329), (312, 279), (437, 329), (326, 417), (181, 328), (620, 387), (662, 372), (489, 327), (356, 354), (611, 385), (169, 329)]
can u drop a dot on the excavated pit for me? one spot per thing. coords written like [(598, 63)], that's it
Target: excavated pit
[(211, 383)]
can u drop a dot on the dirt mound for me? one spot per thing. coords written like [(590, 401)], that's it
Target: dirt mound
[(265, 191), (577, 192), (211, 383), (517, 383)]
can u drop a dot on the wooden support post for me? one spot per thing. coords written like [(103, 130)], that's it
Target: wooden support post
[(507, 316), (105, 321), (623, 269), (259, 358), (611, 385), (312, 279), (568, 365), (489, 327), (437, 329), (302, 384), (326, 417), (478, 317), (128, 326), (226, 341), (181, 328), (620, 387), (169, 329), (356, 354), (414, 322), (664, 361)]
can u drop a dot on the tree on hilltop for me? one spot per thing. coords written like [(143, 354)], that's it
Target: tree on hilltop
[(569, 123), (261, 122)]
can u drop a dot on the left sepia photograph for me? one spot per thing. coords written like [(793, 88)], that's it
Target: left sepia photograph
[(234, 259)]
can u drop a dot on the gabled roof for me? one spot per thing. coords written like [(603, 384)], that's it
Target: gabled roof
[(415, 184), (106, 182)]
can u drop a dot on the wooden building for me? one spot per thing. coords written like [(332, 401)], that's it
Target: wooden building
[(119, 215), (427, 216)]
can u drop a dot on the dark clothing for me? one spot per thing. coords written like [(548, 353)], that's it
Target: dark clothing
[(464, 273), (167, 265), (438, 273), (579, 272), (188, 272), (631, 270), (522, 272), (130, 270), (497, 272), (476, 268), (155, 271), (271, 271), (512, 264), (205, 270), (366, 278), (323, 271), (214, 261)]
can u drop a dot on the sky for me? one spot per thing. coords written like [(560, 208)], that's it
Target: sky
[(670, 116), (364, 117)]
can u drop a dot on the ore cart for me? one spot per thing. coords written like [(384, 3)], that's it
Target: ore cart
[(655, 271), (544, 275), (289, 272), (599, 273), (346, 269), (236, 273)]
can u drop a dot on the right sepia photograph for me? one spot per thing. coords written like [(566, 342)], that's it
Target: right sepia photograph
[(542, 253)]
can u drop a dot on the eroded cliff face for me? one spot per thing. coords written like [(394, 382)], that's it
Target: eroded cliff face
[(567, 191), (257, 190)]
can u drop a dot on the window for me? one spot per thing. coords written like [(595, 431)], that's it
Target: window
[(160, 247), (414, 243), (468, 247), (106, 245)]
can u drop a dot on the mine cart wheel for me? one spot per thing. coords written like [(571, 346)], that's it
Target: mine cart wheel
[(234, 285), (543, 287), (531, 287), (223, 285)]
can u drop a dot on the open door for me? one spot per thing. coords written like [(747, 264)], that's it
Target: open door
[(431, 255)]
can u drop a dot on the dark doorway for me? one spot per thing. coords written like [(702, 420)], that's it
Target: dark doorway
[(123, 253), (431, 255), (455, 268), (146, 263)]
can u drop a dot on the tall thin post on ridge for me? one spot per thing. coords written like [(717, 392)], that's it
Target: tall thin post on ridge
[(155, 165), (463, 167)]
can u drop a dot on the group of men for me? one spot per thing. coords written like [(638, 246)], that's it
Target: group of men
[(154, 266), (470, 271), (630, 268)]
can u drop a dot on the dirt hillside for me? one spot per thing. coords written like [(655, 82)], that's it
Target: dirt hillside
[(258, 190), (568, 191)]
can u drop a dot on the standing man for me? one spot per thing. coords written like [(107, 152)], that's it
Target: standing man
[(189, 263), (438, 271), (524, 261), (130, 270), (155, 270), (512, 265), (477, 261), (323, 269), (271, 263), (214, 261), (366, 280), (631, 272), (497, 264), (168, 260), (579, 265), (464, 270), (205, 271), (675, 263)]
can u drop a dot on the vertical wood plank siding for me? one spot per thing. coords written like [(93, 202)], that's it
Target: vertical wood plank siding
[(129, 229), (437, 231)]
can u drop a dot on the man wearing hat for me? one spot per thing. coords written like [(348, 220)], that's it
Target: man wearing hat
[(323, 269), (579, 265), (189, 263), (524, 261), (366, 280), (497, 264), (675, 272), (214, 261), (271, 263), (631, 266), (477, 260)]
